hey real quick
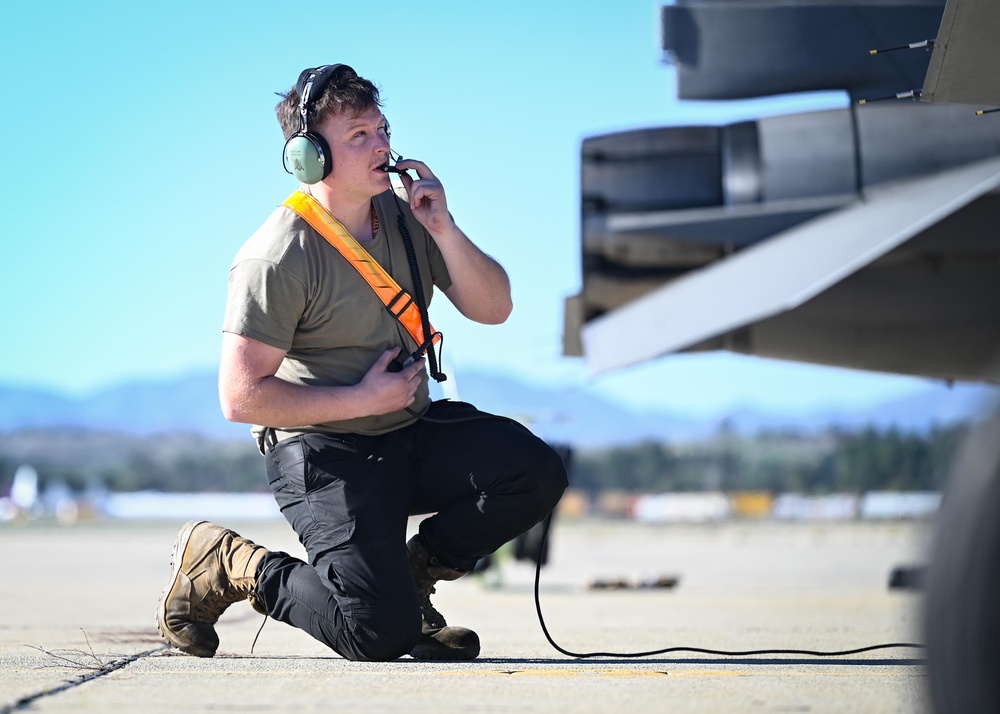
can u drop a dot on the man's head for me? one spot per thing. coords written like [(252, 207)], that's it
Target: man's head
[(344, 92), (321, 95)]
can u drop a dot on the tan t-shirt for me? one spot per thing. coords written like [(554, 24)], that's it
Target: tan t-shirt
[(289, 288)]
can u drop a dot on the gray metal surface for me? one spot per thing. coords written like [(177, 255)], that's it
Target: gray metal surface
[(966, 57), (700, 195), (854, 324), (733, 49)]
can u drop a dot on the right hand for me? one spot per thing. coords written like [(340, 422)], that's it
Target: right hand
[(386, 391)]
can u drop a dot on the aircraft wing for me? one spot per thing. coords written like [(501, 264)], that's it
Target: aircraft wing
[(875, 321)]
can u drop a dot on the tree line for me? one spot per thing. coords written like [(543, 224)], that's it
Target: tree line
[(833, 461), (85, 459)]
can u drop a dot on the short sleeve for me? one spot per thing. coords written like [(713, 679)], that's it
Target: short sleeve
[(265, 302)]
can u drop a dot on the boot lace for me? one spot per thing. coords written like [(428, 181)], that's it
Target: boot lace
[(432, 618)]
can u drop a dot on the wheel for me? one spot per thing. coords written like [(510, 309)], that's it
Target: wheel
[(962, 607)]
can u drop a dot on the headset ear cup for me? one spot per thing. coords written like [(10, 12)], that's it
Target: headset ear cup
[(324, 150), (307, 157)]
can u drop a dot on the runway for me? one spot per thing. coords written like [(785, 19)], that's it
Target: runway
[(77, 631)]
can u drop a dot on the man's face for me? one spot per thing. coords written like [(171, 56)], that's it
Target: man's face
[(359, 146)]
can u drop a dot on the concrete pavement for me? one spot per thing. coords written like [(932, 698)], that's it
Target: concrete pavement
[(77, 631)]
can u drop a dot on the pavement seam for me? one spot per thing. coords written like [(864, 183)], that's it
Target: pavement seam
[(108, 668)]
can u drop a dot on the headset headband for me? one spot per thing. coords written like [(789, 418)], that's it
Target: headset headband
[(311, 83)]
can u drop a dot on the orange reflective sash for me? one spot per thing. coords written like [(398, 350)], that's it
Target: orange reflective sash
[(397, 301)]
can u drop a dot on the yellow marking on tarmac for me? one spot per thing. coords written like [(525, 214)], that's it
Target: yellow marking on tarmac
[(705, 673)]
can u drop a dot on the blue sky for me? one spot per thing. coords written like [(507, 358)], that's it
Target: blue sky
[(141, 150)]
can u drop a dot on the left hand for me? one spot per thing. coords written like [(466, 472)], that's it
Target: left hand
[(426, 194)]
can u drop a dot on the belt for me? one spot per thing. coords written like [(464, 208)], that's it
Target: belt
[(271, 437)]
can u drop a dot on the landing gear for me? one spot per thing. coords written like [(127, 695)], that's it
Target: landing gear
[(962, 609)]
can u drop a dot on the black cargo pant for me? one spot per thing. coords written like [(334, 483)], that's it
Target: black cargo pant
[(486, 480)]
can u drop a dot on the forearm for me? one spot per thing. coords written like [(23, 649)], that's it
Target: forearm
[(272, 401), (479, 287), (251, 393)]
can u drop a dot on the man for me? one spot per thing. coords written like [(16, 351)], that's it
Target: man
[(353, 444)]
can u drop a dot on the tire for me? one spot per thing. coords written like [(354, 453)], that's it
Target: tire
[(962, 607)]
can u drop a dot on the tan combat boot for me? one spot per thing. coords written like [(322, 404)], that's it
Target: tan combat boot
[(213, 567), (437, 639)]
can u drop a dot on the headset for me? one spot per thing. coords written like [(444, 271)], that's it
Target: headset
[(306, 155)]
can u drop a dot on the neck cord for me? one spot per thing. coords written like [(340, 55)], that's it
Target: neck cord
[(421, 300)]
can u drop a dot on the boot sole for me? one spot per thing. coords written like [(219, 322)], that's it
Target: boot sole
[(430, 654), (176, 558)]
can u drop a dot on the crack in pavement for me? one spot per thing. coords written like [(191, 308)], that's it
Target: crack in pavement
[(108, 668)]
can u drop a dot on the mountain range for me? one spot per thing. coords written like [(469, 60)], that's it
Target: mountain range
[(569, 415)]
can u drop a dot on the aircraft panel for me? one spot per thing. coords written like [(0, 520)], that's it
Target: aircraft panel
[(963, 65), (736, 49), (789, 270)]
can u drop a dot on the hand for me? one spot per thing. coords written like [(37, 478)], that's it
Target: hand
[(426, 194), (386, 392)]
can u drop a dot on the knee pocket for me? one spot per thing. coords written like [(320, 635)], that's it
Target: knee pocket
[(385, 634)]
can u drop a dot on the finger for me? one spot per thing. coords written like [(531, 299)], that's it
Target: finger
[(416, 194), (425, 193), (422, 169), (416, 367)]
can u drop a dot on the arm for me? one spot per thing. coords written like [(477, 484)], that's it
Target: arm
[(251, 393), (480, 288)]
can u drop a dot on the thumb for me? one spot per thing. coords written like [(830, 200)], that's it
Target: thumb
[(386, 357)]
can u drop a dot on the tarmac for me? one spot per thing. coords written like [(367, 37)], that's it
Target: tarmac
[(77, 629)]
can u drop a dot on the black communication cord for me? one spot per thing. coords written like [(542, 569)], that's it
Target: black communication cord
[(440, 377), (418, 289), (701, 650), (454, 420)]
